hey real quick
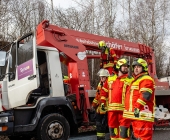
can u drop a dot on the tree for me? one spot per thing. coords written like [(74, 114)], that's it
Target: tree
[(147, 24)]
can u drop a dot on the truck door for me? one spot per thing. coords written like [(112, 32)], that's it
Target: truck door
[(24, 78)]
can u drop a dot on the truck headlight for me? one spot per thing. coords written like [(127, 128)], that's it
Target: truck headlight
[(3, 119)]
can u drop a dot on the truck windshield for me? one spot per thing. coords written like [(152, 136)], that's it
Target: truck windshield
[(2, 58), (3, 68)]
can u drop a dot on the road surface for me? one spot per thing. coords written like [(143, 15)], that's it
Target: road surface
[(158, 135)]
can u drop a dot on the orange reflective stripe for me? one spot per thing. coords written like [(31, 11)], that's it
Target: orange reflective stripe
[(106, 90), (95, 101), (146, 116), (100, 134), (146, 89), (141, 102), (110, 108), (108, 65), (103, 98), (113, 55)]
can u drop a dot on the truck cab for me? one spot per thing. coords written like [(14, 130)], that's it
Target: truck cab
[(33, 101)]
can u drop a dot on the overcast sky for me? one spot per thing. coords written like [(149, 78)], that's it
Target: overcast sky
[(69, 3)]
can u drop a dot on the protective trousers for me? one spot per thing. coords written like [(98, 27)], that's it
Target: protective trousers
[(142, 130), (118, 126), (101, 124)]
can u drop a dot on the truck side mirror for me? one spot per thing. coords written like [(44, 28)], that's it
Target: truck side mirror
[(10, 60), (2, 58), (12, 76)]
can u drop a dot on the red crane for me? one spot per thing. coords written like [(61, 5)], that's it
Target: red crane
[(74, 44)]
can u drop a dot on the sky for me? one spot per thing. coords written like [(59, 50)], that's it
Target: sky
[(62, 3), (68, 3)]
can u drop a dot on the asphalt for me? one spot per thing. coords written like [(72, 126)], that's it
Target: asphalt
[(159, 134)]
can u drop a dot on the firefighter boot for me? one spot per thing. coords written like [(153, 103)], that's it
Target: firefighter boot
[(133, 137), (100, 138)]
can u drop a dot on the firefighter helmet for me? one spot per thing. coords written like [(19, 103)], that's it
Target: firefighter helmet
[(120, 62), (103, 72), (140, 62), (101, 44)]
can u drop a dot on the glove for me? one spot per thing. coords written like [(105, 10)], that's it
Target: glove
[(103, 107), (136, 112)]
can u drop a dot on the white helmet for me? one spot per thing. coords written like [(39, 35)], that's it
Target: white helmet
[(103, 72)]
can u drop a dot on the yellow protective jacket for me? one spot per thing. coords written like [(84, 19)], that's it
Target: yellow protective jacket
[(141, 95), (96, 100), (117, 90), (101, 97), (108, 58)]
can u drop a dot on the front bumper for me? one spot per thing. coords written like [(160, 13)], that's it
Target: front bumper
[(9, 130), (6, 128)]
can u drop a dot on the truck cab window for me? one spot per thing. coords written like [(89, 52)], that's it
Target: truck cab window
[(43, 71), (3, 69), (25, 51), (43, 89)]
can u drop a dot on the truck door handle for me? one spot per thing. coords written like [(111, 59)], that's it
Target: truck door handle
[(31, 77)]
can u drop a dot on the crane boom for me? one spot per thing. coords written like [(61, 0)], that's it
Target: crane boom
[(74, 45)]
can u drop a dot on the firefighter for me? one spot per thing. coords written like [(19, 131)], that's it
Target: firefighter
[(66, 79), (67, 86), (96, 100), (140, 101), (101, 116), (108, 57), (118, 84)]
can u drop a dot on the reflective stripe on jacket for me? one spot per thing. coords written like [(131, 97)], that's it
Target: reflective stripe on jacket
[(117, 90), (103, 98), (96, 100), (66, 79), (141, 95), (104, 92), (108, 58)]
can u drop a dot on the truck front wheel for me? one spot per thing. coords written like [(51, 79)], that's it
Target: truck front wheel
[(53, 126)]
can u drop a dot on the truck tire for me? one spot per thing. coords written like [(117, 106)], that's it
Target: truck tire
[(53, 127)]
